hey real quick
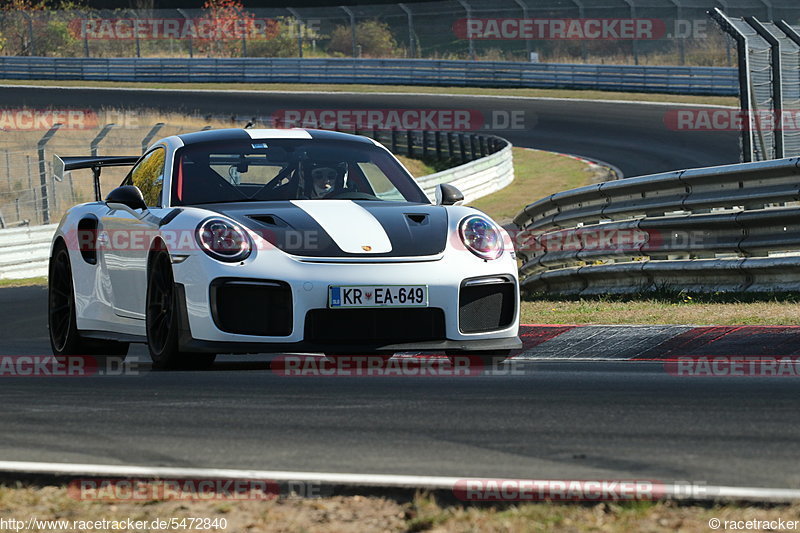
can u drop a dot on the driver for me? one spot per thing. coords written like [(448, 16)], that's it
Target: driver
[(325, 178)]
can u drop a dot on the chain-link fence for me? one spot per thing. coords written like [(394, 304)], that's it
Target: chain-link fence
[(672, 32), (29, 192)]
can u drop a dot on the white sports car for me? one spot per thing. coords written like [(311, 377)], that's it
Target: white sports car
[(259, 241)]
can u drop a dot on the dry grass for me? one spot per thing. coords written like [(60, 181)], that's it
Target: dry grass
[(367, 514), (266, 87), (687, 310), (536, 174)]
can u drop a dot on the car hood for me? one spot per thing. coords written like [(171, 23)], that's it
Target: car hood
[(344, 228)]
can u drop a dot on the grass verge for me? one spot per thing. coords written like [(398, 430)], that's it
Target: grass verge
[(26, 282), (665, 307), (536, 174), (368, 514), (477, 91)]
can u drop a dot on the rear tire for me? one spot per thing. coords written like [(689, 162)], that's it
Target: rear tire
[(65, 339), (162, 320)]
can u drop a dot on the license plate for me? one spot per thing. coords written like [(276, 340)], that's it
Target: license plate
[(349, 296)]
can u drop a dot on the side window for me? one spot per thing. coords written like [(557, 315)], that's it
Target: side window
[(148, 175)]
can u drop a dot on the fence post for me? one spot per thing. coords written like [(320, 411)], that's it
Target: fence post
[(43, 170), (424, 144), (482, 141), (191, 43), (468, 9), (409, 143), (352, 28), (412, 49), (473, 150), (8, 170), (438, 142), (635, 42), (462, 147), (30, 186), (100, 136), (394, 140), (299, 27), (152, 133)]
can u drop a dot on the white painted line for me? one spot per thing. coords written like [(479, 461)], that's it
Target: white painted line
[(670, 490), (366, 93)]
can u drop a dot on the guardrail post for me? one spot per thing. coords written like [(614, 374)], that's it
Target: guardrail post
[(450, 144), (152, 133), (43, 171)]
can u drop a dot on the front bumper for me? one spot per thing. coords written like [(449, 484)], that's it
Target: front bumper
[(309, 284)]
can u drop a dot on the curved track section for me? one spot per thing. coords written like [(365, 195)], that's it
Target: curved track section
[(631, 136), (556, 419)]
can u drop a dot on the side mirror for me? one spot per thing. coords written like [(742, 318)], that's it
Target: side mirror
[(127, 195), (447, 194)]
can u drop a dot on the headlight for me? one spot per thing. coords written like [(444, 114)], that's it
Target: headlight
[(481, 237), (223, 240)]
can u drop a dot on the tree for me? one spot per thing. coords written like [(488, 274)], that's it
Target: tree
[(374, 37), (227, 22)]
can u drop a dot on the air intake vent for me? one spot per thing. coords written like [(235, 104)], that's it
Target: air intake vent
[(486, 304), (252, 307), (417, 219)]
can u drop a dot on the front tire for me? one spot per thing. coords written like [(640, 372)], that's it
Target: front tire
[(162, 320), (65, 339)]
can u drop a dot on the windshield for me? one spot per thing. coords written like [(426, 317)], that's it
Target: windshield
[(289, 169)]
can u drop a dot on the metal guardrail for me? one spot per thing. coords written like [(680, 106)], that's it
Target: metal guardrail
[(24, 252), (484, 165), (656, 79), (719, 228)]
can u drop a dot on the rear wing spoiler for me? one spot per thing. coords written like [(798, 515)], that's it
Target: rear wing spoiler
[(62, 165)]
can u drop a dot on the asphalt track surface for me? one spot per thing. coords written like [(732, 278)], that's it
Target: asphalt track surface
[(566, 412), (544, 418)]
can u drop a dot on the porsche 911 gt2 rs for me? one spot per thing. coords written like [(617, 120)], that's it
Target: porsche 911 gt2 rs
[(261, 241)]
